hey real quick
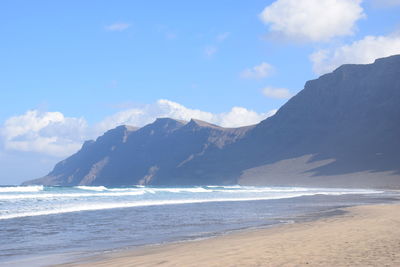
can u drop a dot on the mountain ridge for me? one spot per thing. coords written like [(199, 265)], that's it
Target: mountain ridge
[(341, 130)]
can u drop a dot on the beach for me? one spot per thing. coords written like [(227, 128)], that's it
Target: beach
[(361, 236)]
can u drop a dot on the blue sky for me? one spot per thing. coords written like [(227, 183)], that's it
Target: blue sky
[(72, 69)]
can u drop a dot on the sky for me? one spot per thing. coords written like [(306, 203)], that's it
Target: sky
[(71, 70)]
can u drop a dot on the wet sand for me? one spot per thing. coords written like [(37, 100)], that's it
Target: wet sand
[(362, 236)]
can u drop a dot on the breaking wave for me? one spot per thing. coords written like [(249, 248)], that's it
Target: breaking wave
[(32, 188), (25, 201)]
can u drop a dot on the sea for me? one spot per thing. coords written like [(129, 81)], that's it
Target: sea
[(42, 225)]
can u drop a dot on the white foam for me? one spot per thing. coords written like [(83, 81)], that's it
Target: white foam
[(103, 206), (71, 195), (101, 191), (32, 188), (147, 189), (231, 186), (284, 190), (92, 188), (182, 189), (121, 189)]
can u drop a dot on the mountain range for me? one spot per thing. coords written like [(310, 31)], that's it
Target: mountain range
[(341, 130)]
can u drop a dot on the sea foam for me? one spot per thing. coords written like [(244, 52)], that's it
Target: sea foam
[(54, 200), (32, 188)]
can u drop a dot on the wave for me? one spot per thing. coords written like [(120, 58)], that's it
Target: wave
[(148, 189), (32, 188), (224, 186), (92, 188), (182, 189), (117, 192), (103, 188), (101, 191), (284, 190), (105, 206), (239, 188), (71, 195)]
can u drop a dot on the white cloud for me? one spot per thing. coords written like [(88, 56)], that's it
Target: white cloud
[(312, 20), (359, 52), (44, 132), (210, 50), (257, 72), (280, 93), (237, 116), (119, 27), (51, 133)]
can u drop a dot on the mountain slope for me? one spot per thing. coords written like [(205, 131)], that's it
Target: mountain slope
[(348, 120), (342, 129), (149, 155)]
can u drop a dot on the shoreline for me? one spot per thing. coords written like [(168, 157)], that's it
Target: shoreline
[(358, 235)]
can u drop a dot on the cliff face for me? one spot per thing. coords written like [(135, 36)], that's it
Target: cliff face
[(342, 129)]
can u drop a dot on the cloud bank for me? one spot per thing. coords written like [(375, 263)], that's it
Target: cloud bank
[(43, 132), (236, 117), (312, 20), (52, 133), (359, 52)]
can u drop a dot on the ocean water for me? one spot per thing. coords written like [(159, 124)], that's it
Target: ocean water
[(41, 225)]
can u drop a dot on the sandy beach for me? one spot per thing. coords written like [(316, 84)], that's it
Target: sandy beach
[(363, 236)]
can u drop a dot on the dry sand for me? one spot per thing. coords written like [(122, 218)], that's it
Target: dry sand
[(364, 236)]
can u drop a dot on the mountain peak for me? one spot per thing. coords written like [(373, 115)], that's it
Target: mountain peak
[(164, 125), (169, 120), (168, 123), (194, 123), (122, 128)]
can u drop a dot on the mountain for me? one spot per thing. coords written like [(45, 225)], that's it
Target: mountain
[(149, 155), (342, 130)]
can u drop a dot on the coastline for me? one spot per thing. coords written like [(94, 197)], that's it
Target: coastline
[(361, 235)]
